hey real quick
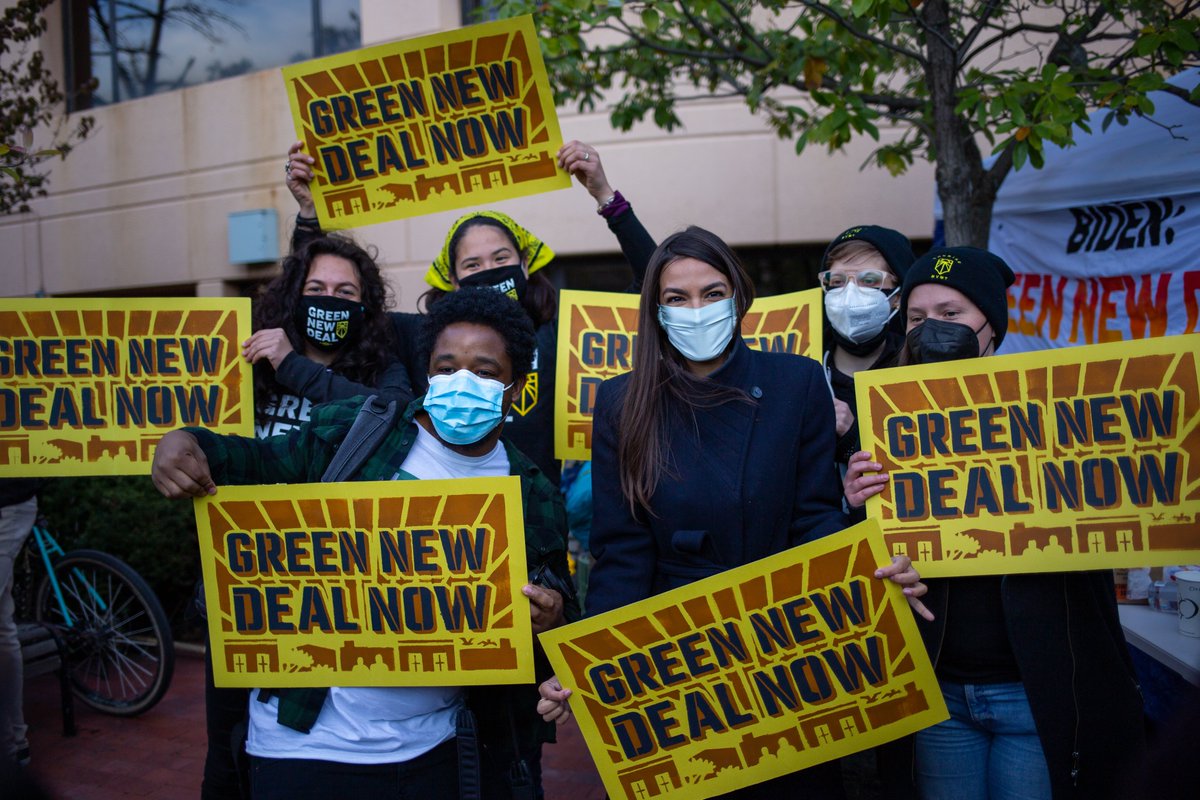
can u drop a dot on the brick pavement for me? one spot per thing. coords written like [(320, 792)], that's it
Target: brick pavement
[(160, 755)]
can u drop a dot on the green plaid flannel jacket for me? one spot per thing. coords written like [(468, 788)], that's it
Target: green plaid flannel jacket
[(301, 456)]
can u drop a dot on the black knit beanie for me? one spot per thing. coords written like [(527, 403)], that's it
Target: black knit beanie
[(892, 245), (982, 276)]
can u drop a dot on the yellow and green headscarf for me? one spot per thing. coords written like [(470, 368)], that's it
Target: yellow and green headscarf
[(533, 250)]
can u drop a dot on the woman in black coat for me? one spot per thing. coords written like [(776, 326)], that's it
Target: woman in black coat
[(708, 455), (1034, 668)]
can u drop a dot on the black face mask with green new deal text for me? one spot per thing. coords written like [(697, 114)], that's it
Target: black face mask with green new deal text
[(329, 322)]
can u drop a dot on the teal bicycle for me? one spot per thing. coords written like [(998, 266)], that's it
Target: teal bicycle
[(119, 652)]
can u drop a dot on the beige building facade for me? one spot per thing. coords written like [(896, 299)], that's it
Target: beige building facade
[(142, 206)]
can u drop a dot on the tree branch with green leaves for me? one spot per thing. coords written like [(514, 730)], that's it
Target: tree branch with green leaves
[(30, 107), (957, 78)]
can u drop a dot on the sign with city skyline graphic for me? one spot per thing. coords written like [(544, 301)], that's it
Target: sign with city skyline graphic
[(455, 119), (390, 583), (757, 672), (89, 385), (597, 330), (1072, 459)]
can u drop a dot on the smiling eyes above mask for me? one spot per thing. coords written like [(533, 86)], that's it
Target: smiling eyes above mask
[(700, 334), (509, 280), (935, 341), (464, 407)]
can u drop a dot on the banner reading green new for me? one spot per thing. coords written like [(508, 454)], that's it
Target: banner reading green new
[(461, 118), (1073, 459)]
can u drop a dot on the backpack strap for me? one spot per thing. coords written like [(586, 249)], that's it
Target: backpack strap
[(372, 424)]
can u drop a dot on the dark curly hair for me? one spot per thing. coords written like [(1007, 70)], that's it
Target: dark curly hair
[(541, 298), (362, 360), (487, 307)]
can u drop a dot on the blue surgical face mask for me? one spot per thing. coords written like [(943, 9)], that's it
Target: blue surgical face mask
[(464, 407), (700, 334)]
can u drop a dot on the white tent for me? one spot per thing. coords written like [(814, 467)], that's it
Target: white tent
[(1105, 238)]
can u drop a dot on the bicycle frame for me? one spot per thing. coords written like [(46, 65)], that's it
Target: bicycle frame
[(118, 653), (48, 546)]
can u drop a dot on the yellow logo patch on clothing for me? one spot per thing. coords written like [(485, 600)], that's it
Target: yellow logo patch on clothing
[(529, 396)]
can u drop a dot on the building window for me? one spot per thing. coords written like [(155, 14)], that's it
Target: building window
[(476, 11), (124, 49)]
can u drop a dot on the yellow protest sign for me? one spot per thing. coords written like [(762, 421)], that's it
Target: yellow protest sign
[(393, 583), (463, 118), (1072, 459), (760, 671), (596, 332), (89, 386)]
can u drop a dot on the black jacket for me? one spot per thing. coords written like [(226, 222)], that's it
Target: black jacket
[(842, 385), (749, 479), (17, 490), (1077, 673)]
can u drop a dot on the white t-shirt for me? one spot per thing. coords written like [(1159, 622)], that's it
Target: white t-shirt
[(379, 725)]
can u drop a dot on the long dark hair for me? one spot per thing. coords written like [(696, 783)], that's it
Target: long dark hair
[(660, 378), (541, 298), (362, 360)]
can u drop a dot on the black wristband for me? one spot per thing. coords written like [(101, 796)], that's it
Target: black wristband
[(307, 222)]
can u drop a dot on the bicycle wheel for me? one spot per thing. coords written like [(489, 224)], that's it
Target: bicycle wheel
[(117, 638)]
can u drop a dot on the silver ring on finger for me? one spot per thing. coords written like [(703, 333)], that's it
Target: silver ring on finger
[(287, 168), (587, 156)]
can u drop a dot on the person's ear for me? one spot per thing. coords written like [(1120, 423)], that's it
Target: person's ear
[(518, 386)]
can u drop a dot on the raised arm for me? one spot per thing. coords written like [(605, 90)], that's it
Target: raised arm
[(583, 161), (299, 174)]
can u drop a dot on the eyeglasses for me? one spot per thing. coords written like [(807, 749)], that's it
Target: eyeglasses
[(867, 279)]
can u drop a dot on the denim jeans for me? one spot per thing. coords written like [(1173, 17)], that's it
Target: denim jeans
[(988, 749), (15, 523)]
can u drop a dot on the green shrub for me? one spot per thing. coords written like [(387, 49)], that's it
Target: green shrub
[(127, 517)]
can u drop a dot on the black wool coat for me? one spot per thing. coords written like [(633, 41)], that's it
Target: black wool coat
[(746, 479)]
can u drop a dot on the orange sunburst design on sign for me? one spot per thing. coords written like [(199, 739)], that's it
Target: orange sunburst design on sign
[(91, 385), (399, 583), (1072, 459), (762, 670), (461, 118)]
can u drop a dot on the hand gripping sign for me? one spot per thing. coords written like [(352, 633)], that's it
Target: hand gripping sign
[(595, 342), (1073, 459), (762, 670), (89, 386), (394, 583), (462, 118)]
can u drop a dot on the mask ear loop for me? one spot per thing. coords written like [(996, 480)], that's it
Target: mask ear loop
[(895, 308), (992, 344)]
